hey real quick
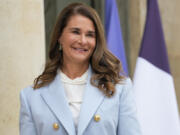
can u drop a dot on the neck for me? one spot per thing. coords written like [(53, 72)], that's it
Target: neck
[(74, 70)]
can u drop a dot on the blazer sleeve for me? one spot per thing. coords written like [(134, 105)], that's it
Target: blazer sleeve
[(26, 124), (128, 123)]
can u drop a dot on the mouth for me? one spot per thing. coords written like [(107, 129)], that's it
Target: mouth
[(80, 49)]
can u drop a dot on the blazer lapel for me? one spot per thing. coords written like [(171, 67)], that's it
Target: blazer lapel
[(55, 98), (92, 99)]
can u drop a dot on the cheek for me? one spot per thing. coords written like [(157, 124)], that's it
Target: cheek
[(67, 39), (93, 43), (93, 47)]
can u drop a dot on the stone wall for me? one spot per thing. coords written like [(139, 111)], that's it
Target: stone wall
[(22, 55)]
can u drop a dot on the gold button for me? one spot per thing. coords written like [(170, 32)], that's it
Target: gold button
[(55, 126), (97, 117)]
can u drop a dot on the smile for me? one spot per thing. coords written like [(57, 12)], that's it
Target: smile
[(80, 49)]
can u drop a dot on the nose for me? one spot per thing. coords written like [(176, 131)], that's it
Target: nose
[(83, 39)]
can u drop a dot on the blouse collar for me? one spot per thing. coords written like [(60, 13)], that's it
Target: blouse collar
[(79, 80)]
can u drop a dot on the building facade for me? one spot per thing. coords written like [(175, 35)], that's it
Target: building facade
[(26, 26)]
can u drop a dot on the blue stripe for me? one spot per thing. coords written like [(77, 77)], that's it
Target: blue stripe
[(153, 46)]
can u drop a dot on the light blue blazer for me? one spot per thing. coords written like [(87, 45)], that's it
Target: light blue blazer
[(43, 107)]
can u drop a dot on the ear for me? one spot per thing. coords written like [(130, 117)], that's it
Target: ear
[(60, 40)]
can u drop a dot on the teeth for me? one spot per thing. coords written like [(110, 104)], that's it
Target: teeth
[(80, 49)]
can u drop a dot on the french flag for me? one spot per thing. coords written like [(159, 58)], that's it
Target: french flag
[(153, 82)]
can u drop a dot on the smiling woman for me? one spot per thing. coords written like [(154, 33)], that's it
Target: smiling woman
[(81, 90), (105, 65)]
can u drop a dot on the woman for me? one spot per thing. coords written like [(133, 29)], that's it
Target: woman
[(81, 90)]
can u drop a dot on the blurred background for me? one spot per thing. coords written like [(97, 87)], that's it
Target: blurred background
[(25, 29)]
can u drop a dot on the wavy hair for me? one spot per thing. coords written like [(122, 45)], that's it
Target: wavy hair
[(106, 67)]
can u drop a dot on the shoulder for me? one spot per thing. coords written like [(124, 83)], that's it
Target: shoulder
[(30, 90), (124, 84), (27, 90), (124, 87), (30, 93), (126, 81)]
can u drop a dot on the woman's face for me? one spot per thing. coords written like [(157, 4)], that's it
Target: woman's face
[(78, 40)]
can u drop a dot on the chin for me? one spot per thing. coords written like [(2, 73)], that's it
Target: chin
[(81, 60)]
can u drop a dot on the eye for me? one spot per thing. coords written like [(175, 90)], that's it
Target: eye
[(90, 35), (75, 32)]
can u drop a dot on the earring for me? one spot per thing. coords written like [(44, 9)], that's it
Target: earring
[(60, 47)]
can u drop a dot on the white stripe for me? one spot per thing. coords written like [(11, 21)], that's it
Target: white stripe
[(156, 100)]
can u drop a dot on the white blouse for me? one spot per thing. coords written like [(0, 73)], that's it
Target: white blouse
[(74, 89)]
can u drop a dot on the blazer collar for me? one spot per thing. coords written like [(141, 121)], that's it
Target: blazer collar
[(55, 98), (92, 99)]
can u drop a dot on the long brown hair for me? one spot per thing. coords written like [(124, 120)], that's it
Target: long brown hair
[(106, 67)]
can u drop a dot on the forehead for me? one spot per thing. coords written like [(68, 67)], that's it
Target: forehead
[(80, 22)]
